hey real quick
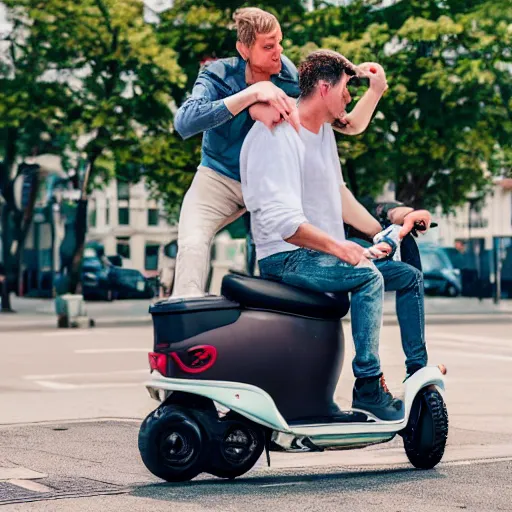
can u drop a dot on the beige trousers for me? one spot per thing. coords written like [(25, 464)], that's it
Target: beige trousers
[(211, 203)]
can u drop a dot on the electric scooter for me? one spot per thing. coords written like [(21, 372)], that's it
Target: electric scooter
[(255, 369)]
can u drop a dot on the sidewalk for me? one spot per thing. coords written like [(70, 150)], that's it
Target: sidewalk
[(443, 310), (37, 314)]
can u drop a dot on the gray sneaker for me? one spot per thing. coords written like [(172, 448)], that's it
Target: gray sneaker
[(372, 395)]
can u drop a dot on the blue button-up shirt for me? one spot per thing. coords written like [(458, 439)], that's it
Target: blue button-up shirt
[(205, 111)]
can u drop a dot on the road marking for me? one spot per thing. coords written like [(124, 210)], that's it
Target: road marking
[(19, 473), (71, 332), (471, 462), (284, 484), (78, 375), (477, 355), (467, 346), (470, 340), (111, 350), (31, 485), (66, 386)]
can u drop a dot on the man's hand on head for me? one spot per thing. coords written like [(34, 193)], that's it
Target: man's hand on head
[(375, 72)]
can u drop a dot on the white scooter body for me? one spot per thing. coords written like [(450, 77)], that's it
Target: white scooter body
[(259, 407)]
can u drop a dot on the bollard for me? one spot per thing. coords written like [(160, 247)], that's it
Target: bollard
[(71, 312)]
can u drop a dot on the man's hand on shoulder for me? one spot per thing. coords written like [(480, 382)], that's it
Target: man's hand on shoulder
[(271, 117), (266, 114), (267, 92)]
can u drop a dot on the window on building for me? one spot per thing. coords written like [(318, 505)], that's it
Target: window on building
[(153, 216), (123, 203), (123, 246), (92, 213), (151, 257), (123, 213), (123, 190), (107, 212)]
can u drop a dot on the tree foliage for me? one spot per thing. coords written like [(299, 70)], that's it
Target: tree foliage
[(96, 79), (444, 125)]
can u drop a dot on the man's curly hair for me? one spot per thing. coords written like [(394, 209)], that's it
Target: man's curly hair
[(323, 65)]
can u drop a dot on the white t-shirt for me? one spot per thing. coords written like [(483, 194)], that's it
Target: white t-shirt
[(288, 179)]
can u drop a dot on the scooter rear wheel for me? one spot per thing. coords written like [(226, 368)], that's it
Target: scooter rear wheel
[(171, 444), (237, 451), (426, 434)]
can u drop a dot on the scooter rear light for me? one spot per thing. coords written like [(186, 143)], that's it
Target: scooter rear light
[(158, 362)]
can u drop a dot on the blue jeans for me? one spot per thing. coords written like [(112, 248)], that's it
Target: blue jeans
[(325, 273)]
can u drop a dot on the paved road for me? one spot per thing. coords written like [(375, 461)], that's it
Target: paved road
[(57, 376)]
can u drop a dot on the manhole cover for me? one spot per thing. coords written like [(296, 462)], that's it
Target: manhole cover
[(57, 488), (12, 493)]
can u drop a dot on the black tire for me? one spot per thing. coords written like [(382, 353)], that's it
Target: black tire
[(451, 291), (171, 444), (427, 431), (238, 449)]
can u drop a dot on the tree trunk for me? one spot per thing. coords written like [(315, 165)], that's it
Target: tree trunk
[(6, 189), (81, 227), (411, 191), (26, 223), (76, 261), (5, 284)]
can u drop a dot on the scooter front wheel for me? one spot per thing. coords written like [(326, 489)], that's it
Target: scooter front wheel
[(426, 434), (171, 444)]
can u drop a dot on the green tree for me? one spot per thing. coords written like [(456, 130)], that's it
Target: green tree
[(444, 124), (118, 82), (30, 113)]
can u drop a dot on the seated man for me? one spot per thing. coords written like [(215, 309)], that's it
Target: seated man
[(291, 184)]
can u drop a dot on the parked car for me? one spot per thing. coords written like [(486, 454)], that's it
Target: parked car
[(104, 281), (96, 280), (439, 274), (128, 283)]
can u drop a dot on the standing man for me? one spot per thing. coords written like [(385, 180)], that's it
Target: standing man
[(219, 107)]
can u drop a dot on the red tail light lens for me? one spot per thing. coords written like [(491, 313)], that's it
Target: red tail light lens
[(158, 362)]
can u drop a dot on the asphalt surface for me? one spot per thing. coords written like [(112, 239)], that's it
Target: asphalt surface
[(71, 402)]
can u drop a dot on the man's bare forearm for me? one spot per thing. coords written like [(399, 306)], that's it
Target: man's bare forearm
[(397, 215), (311, 237), (361, 115), (356, 215)]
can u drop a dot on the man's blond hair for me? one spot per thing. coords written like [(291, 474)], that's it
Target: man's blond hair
[(251, 21)]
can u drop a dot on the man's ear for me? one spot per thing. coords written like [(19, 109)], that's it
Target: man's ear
[(323, 87), (243, 50)]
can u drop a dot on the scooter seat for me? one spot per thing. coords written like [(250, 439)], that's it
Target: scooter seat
[(264, 294)]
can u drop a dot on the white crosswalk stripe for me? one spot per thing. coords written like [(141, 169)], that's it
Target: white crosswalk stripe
[(471, 340)]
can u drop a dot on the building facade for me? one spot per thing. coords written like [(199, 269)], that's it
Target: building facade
[(127, 222), (484, 220)]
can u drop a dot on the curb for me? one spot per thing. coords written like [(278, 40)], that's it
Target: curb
[(51, 324), (17, 323)]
